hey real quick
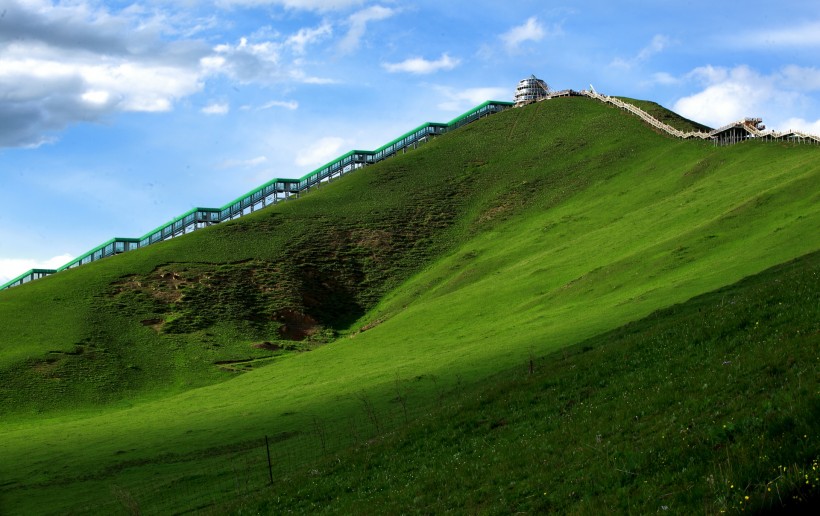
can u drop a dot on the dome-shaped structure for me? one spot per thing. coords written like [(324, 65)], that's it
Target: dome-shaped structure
[(530, 90)]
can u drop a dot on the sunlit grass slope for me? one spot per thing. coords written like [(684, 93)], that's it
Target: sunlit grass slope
[(707, 407), (523, 233)]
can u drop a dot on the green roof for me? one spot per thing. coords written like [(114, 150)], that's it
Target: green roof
[(177, 219), (98, 248), (27, 273)]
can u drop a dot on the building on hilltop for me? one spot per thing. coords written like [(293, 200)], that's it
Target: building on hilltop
[(530, 90)]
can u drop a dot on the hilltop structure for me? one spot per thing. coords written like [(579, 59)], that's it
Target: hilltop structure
[(530, 90)]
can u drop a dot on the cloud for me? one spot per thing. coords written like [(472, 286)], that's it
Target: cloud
[(243, 163), (306, 37), (60, 64), (804, 35), (217, 108), (321, 152), (69, 62), (800, 124), (463, 99), (10, 268), (419, 65), (305, 5), (801, 78), (657, 45), (260, 62), (531, 30), (246, 62), (291, 105), (357, 23), (664, 78), (729, 94)]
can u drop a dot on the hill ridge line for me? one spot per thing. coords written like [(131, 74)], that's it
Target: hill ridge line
[(198, 218), (724, 135)]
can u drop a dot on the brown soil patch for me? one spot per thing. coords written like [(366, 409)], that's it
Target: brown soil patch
[(371, 325), (268, 346), (295, 325)]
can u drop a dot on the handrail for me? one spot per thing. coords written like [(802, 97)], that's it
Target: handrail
[(750, 125)]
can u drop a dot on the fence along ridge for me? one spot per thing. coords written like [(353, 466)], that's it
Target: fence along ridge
[(751, 125)]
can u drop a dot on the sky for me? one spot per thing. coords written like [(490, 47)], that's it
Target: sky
[(117, 116)]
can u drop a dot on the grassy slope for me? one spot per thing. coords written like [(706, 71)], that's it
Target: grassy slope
[(327, 257), (592, 222), (709, 406)]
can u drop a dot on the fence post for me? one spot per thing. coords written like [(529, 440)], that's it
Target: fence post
[(270, 466)]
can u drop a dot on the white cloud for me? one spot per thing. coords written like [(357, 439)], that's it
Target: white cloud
[(658, 44), (799, 124), (358, 25), (531, 30), (664, 78), (10, 268), (801, 78), (321, 152), (729, 94), (69, 62), (217, 108), (419, 65), (305, 37), (262, 62), (291, 105), (76, 61), (804, 35), (463, 99), (246, 62), (243, 163), (306, 5)]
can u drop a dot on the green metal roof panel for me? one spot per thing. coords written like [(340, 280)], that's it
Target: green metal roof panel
[(405, 135), (257, 189), (177, 219), (98, 248), (27, 273), (476, 109), (331, 163)]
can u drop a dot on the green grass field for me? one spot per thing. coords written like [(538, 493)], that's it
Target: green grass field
[(709, 406), (517, 236)]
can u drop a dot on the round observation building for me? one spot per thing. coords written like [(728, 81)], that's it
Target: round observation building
[(530, 90)]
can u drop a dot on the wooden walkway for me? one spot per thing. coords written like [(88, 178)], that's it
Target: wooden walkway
[(735, 132)]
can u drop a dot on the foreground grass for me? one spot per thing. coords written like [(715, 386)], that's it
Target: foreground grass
[(707, 407), (523, 234)]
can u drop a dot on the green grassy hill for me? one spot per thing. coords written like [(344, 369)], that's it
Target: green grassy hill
[(709, 406), (517, 236)]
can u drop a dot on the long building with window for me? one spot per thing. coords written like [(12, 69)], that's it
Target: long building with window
[(272, 192)]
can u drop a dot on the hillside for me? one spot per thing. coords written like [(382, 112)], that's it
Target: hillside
[(518, 235), (709, 406)]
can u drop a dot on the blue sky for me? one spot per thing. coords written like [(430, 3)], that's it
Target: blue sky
[(116, 116)]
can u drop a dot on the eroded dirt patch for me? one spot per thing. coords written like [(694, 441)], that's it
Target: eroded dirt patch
[(295, 325)]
